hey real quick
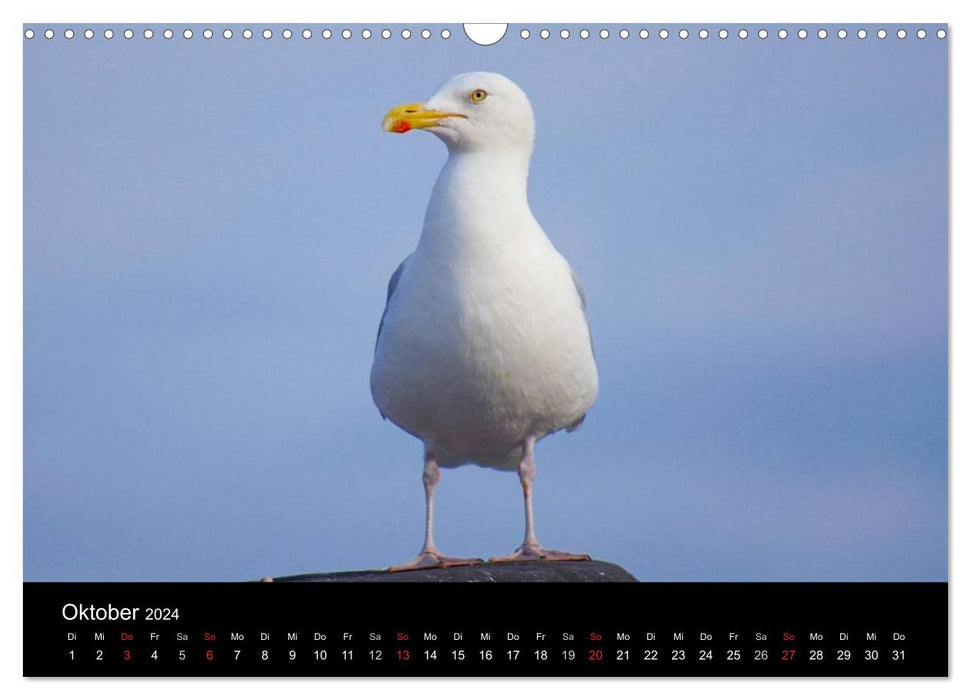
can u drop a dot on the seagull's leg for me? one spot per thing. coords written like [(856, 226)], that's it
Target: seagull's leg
[(530, 549), (430, 557)]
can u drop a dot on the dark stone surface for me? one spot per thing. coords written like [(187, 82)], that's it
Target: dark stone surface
[(519, 572)]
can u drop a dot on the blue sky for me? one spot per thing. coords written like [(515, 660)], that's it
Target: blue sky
[(760, 227)]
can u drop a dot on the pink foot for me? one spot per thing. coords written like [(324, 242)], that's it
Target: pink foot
[(533, 552), (433, 560)]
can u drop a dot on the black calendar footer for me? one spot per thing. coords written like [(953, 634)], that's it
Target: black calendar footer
[(482, 629)]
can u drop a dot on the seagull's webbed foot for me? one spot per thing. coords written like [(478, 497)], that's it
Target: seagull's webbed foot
[(531, 551), (433, 559)]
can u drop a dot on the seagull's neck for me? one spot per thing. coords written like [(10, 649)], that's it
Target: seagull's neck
[(478, 199)]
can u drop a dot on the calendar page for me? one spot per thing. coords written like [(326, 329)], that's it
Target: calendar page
[(485, 350)]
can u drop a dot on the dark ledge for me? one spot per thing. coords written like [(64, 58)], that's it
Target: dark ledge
[(517, 572)]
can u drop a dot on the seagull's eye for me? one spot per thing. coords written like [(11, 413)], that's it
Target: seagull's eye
[(478, 95)]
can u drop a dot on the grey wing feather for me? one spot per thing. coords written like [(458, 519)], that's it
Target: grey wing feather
[(392, 285), (583, 305)]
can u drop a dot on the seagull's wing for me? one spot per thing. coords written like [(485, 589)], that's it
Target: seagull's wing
[(583, 305), (392, 285)]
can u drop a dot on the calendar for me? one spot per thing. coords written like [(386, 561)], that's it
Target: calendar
[(442, 349)]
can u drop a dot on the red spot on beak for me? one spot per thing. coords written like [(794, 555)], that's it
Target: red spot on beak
[(401, 126)]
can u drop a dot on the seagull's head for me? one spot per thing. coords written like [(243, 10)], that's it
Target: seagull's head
[(471, 112)]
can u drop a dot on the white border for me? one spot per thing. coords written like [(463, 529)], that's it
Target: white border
[(601, 11)]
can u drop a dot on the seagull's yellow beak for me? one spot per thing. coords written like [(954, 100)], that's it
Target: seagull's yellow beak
[(407, 117)]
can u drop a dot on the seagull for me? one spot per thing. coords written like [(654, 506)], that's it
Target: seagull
[(484, 347)]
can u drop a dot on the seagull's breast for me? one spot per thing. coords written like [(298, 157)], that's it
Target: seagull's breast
[(485, 342)]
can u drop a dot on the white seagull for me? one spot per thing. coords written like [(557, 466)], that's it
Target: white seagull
[(484, 346)]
